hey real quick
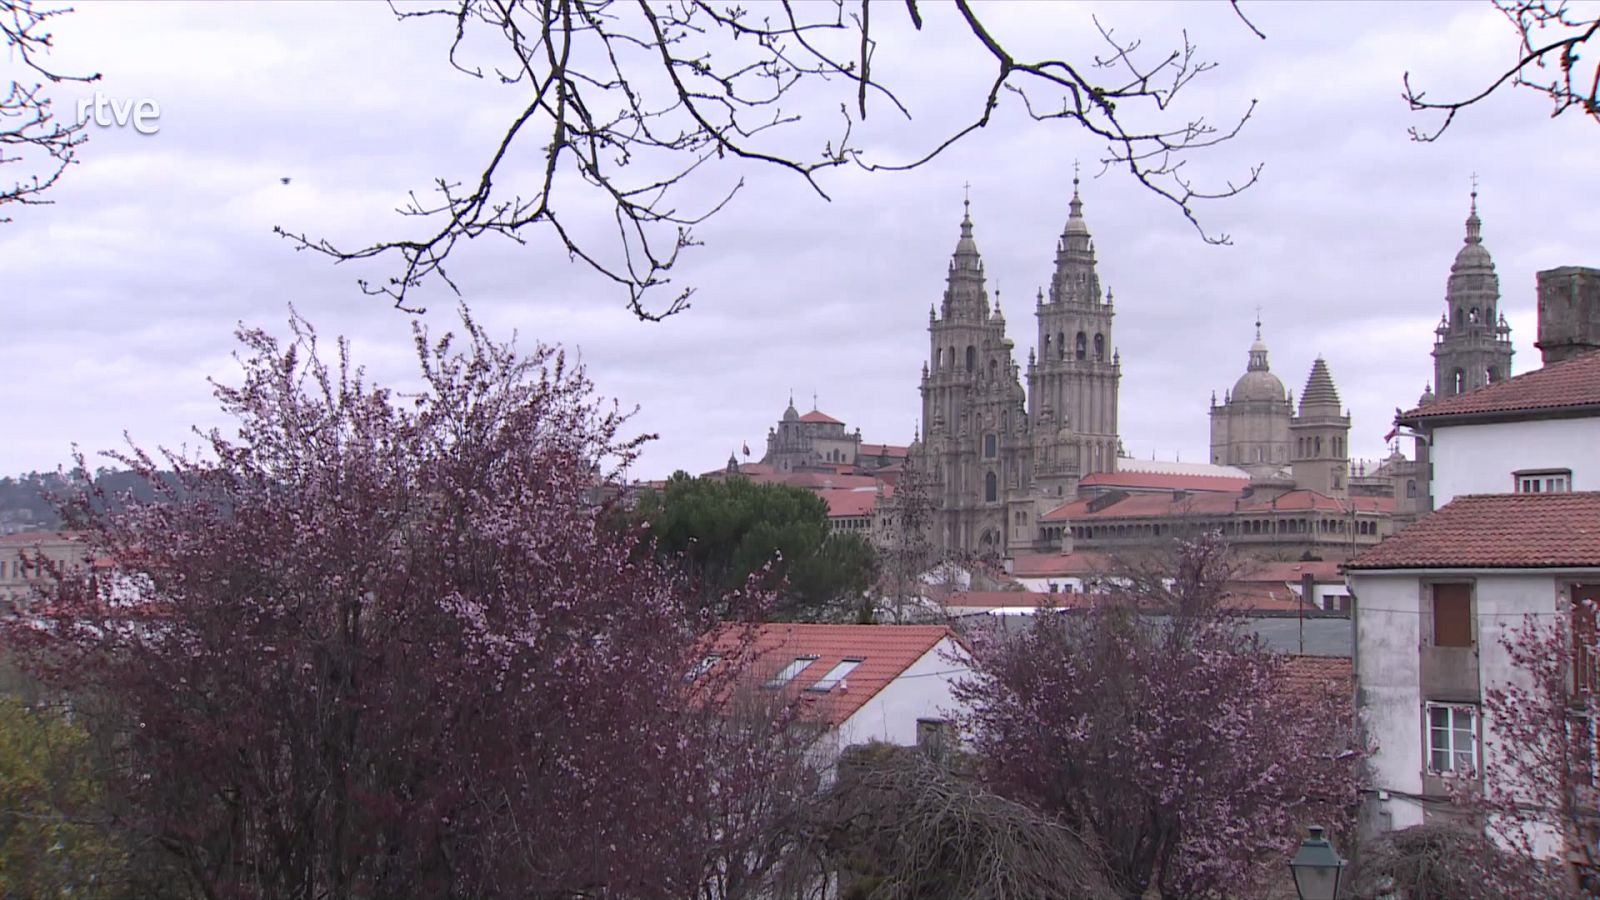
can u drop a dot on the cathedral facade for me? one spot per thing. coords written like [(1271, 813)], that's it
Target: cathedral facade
[(999, 455)]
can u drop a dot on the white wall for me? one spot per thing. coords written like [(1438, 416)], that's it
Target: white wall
[(1388, 623), (1479, 459), (1389, 634), (923, 691)]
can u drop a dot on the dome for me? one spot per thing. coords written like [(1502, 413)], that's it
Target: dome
[(1473, 256), (1258, 385)]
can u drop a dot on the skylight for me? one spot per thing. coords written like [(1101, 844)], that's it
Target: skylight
[(788, 672), (835, 675)]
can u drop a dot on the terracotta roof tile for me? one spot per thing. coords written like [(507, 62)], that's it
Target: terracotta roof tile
[(1162, 481), (893, 451), (1570, 383), (1496, 531), (1213, 503), (1332, 675), (1037, 565), (885, 652), (820, 418), (849, 504)]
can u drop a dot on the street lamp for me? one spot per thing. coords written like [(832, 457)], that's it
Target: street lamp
[(1316, 867)]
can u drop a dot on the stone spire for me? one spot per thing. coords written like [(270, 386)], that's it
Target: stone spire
[(1075, 222), (1472, 347), (964, 296), (1320, 397)]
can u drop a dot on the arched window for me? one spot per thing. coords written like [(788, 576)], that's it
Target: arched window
[(1458, 382), (1316, 445), (994, 370), (1099, 346), (951, 357), (972, 358), (991, 488), (1083, 345), (1461, 318), (938, 358), (1493, 374), (1061, 346), (989, 446), (1411, 487), (1472, 317), (1046, 353)]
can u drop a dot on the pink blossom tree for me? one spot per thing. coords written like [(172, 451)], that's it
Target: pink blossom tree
[(1537, 795), (376, 644), (1153, 724)]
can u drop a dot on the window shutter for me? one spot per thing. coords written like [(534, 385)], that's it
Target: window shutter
[(1452, 615)]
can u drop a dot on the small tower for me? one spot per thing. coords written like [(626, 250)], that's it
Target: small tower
[(1320, 437), (1250, 429), (1472, 344)]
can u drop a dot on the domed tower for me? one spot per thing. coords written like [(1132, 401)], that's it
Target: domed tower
[(974, 424), (1250, 429), (1472, 344), (1320, 452), (1079, 369)]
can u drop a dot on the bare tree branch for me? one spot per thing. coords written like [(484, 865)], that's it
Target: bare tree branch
[(30, 133), (632, 101), (1569, 86)]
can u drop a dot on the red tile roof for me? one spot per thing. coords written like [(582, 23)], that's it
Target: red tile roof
[(844, 504), (1209, 503), (27, 539), (1257, 596), (1569, 384), (885, 651), (1322, 571), (1331, 675), (1162, 481), (892, 451), (820, 418), (818, 481), (1040, 565), (1496, 531)]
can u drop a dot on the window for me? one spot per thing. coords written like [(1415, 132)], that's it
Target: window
[(1099, 347), (972, 358), (787, 673), (989, 446), (835, 675), (1544, 481), (1411, 487), (1452, 739), (991, 488), (1083, 345), (1452, 615)]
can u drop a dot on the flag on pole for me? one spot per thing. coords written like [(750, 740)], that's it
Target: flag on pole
[(1391, 435), (746, 448)]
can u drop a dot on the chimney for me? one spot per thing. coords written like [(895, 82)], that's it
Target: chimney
[(1569, 312)]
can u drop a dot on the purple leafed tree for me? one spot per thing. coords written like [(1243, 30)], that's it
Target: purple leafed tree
[(1151, 723), (1538, 796), (373, 644)]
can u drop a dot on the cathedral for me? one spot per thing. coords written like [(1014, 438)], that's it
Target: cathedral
[(995, 468), (1017, 460)]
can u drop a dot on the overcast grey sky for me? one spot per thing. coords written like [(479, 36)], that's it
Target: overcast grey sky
[(120, 300)]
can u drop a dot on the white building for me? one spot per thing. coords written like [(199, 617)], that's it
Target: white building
[(890, 683), (1537, 432), (1432, 605)]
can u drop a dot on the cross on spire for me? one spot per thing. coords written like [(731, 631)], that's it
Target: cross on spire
[(1474, 192)]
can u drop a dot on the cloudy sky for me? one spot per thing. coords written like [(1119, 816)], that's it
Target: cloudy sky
[(119, 301)]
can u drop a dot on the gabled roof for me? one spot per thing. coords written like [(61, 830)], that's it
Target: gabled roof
[(1040, 565), (843, 504), (893, 451), (885, 653), (820, 418), (1513, 531), (1571, 384)]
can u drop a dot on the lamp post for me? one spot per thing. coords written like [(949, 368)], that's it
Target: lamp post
[(1316, 867)]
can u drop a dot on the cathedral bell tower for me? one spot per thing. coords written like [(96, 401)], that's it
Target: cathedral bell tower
[(974, 423), (1472, 344), (1073, 385)]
